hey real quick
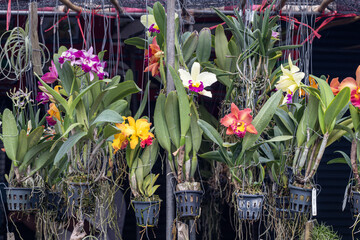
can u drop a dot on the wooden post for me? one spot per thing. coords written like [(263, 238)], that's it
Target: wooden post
[(170, 58), (34, 38), (309, 226), (323, 5)]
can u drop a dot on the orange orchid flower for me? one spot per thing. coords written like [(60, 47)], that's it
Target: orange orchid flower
[(238, 122), (152, 57), (54, 111), (351, 83)]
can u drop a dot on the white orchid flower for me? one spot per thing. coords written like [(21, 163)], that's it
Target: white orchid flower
[(290, 81), (149, 22), (196, 81)]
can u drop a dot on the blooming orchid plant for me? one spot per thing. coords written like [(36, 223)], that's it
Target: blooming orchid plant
[(83, 107)]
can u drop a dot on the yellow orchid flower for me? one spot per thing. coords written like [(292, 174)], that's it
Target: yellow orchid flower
[(120, 142), (54, 111), (57, 88)]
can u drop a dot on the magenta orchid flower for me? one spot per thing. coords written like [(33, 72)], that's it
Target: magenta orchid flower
[(50, 120), (51, 76), (69, 55), (42, 97)]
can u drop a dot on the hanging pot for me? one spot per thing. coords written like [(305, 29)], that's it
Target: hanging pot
[(249, 206), (355, 202), (188, 203), (55, 203), (282, 207), (81, 195), (300, 199), (147, 213), (23, 199)]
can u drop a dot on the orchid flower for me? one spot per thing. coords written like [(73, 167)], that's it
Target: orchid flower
[(51, 76), (351, 83), (149, 23), (238, 122), (42, 97), (290, 81), (196, 81), (69, 55), (53, 112), (153, 57), (133, 131)]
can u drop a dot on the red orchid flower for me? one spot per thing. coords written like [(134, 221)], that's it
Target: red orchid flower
[(351, 83), (52, 76), (152, 57), (238, 122)]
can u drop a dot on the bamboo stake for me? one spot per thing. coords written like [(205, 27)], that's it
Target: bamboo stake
[(309, 226), (34, 38), (170, 57)]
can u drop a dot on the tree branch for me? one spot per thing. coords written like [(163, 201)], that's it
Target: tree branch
[(117, 6), (324, 5), (70, 5)]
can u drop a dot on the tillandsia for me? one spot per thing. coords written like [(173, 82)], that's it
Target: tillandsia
[(141, 149), (84, 104)]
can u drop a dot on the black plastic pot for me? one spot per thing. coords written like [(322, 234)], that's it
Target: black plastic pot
[(188, 203), (249, 206), (300, 199), (147, 213), (23, 199), (355, 203), (282, 207), (81, 195)]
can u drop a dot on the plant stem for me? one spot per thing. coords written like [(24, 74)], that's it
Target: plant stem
[(311, 158), (353, 161), (318, 157), (297, 152)]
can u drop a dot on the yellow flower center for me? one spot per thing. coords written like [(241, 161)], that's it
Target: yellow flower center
[(196, 84), (358, 90), (158, 54), (240, 126)]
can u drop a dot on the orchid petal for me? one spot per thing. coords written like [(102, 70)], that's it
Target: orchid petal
[(244, 115), (207, 78), (358, 75), (228, 120), (348, 82), (185, 77), (229, 131), (251, 129), (235, 110), (147, 20), (206, 93), (195, 71)]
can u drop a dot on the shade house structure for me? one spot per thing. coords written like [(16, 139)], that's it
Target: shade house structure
[(187, 119)]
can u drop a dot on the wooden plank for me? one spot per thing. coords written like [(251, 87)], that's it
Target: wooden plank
[(34, 38)]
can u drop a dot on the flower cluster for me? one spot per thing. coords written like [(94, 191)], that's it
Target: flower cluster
[(88, 62), (290, 81), (238, 122), (196, 81), (132, 131), (152, 58), (351, 83), (53, 113)]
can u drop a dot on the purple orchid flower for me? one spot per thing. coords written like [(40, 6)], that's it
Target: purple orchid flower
[(99, 70), (154, 29), (51, 76), (50, 120), (70, 55), (87, 60), (42, 97), (275, 34)]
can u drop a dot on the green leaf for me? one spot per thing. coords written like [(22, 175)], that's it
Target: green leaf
[(345, 156), (281, 48), (334, 108), (139, 174), (160, 18), (66, 146), (121, 90), (337, 160), (109, 131), (354, 116), (143, 102), (55, 94), (308, 120), (65, 72), (118, 106), (23, 144), (140, 43), (75, 102), (190, 45), (10, 135), (196, 132), (34, 136), (32, 153), (71, 127), (161, 130), (221, 48), (184, 106), (261, 121), (213, 155), (42, 161), (203, 50), (108, 116), (172, 117), (149, 157), (326, 93)]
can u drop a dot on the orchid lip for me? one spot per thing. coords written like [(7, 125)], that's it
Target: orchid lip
[(196, 87)]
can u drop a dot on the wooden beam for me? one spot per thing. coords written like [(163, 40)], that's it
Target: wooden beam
[(34, 38), (117, 6), (324, 5), (70, 5)]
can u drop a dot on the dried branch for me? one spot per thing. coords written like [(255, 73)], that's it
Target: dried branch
[(70, 5), (117, 6), (280, 5), (324, 5)]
